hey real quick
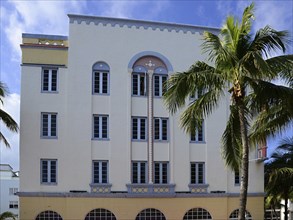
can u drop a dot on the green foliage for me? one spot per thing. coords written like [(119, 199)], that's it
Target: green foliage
[(7, 215), (5, 118)]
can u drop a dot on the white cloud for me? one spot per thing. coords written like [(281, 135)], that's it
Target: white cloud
[(11, 155), (43, 17)]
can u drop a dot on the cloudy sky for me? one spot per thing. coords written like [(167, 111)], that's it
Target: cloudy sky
[(50, 17)]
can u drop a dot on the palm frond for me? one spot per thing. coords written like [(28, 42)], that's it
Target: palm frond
[(8, 121), (231, 140), (181, 85), (268, 40), (247, 17), (2, 138), (200, 109)]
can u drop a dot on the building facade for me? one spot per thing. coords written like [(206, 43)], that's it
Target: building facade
[(9, 185), (96, 139)]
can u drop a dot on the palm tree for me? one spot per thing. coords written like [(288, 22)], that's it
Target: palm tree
[(5, 117), (7, 215), (243, 68), (279, 174)]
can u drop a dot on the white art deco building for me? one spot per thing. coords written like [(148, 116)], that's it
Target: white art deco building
[(96, 139)]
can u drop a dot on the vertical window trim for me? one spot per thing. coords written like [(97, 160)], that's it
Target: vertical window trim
[(50, 69), (100, 127), (161, 129), (100, 72), (49, 136), (138, 133), (196, 181), (49, 181), (100, 181)]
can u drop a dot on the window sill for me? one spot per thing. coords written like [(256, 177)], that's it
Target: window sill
[(197, 142), (135, 140), (50, 92), (100, 139), (139, 96), (102, 94), (49, 137), (137, 188), (48, 184), (161, 141)]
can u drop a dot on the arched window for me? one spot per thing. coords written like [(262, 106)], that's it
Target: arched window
[(101, 72), (100, 214), (48, 215), (140, 75), (234, 215), (197, 214), (150, 214)]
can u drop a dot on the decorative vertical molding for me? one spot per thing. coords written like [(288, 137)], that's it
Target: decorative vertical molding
[(150, 126), (129, 115)]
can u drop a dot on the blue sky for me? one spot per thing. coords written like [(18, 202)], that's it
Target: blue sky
[(50, 17)]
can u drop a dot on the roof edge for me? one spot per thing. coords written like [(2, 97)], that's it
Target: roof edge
[(140, 23), (45, 36)]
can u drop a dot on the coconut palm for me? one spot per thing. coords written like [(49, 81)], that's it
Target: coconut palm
[(241, 66), (279, 174), (5, 117), (7, 215)]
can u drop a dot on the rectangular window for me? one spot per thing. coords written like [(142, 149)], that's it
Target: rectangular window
[(101, 127), (139, 87), (49, 80), (236, 178), (139, 172), (197, 173), (100, 172), (101, 82), (13, 204), (139, 129), (161, 129), (12, 191), (161, 173), (196, 95), (49, 125), (159, 81), (198, 134), (48, 171)]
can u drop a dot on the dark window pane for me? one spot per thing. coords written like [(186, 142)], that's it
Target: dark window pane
[(157, 85), (105, 127), (134, 128), (134, 84), (54, 81), (96, 82), (105, 83), (157, 128)]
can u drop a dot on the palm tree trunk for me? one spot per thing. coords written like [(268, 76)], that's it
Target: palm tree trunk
[(244, 163)]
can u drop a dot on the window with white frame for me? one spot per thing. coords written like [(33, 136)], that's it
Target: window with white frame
[(49, 125), (100, 172), (49, 80), (13, 204), (139, 84), (101, 127), (48, 215), (161, 129), (197, 213), (197, 173), (101, 78), (139, 129), (48, 171), (197, 94), (159, 81), (139, 172), (198, 134), (236, 178), (12, 191), (161, 172)]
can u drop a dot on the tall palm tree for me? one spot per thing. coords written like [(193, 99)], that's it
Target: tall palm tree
[(243, 67), (5, 117), (279, 174)]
